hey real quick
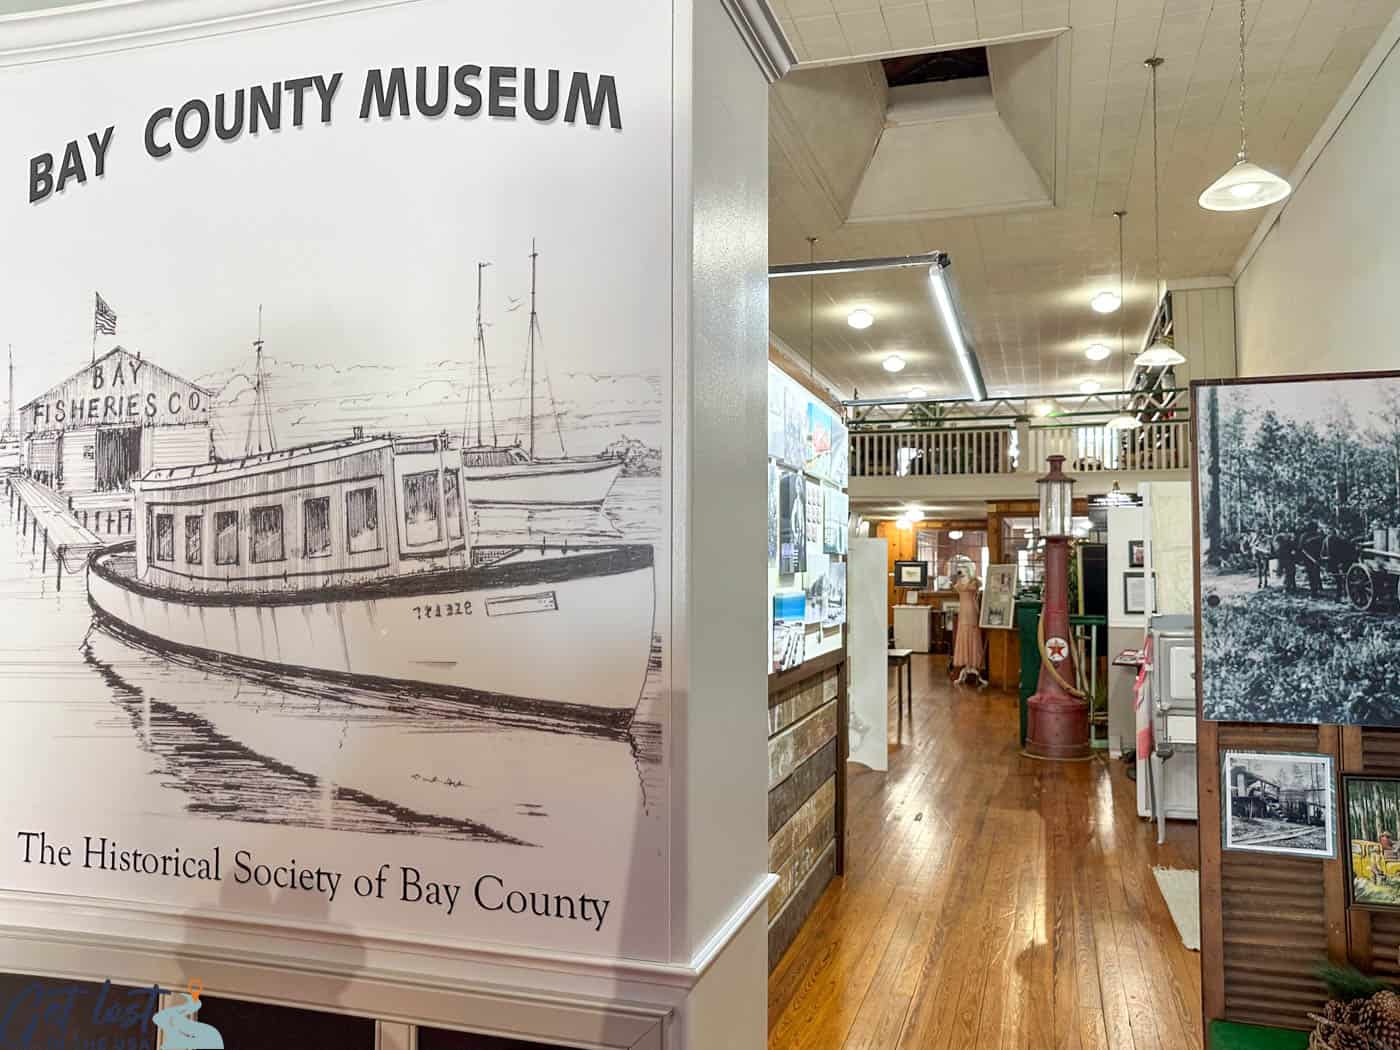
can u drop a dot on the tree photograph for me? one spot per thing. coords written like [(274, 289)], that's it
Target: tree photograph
[(1298, 483)]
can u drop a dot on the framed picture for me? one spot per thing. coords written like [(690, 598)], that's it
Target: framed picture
[(999, 597), (1278, 802), (1137, 554), (1298, 550), (1138, 594), (1371, 806), (911, 574)]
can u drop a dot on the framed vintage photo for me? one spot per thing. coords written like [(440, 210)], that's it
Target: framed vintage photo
[(1371, 806), (1137, 554), (999, 597), (1278, 802), (1139, 597), (1298, 544), (911, 574)]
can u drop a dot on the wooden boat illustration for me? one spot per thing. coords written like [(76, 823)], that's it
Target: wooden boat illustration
[(512, 473), (351, 561)]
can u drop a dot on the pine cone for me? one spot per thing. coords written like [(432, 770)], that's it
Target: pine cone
[(1388, 1003)]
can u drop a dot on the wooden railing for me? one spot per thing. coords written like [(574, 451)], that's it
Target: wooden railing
[(1022, 447)]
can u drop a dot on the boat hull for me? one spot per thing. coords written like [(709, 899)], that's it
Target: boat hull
[(571, 633), (556, 482)]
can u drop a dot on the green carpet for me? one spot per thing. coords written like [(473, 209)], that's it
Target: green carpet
[(1224, 1035)]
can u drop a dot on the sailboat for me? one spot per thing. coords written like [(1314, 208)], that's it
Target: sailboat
[(513, 474), (9, 439)]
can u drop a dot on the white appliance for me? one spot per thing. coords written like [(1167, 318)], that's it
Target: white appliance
[(1168, 790)]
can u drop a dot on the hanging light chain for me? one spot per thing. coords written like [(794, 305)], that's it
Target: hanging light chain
[(1122, 344), (1152, 64), (1244, 145)]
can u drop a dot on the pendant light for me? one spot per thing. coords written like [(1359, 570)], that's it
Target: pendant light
[(1246, 185), (1160, 354), (1125, 420)]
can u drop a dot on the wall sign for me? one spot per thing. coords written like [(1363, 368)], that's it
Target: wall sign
[(397, 659)]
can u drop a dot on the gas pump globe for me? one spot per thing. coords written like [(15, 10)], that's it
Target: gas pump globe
[(1056, 501), (1058, 715)]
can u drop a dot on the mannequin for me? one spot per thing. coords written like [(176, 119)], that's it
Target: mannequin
[(966, 664)]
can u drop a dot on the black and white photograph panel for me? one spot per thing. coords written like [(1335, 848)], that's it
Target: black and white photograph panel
[(1276, 802), (1298, 496), (335, 522)]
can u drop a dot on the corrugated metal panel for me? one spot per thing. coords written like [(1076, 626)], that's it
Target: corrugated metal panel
[(179, 446), (1275, 935), (1273, 912), (1380, 750)]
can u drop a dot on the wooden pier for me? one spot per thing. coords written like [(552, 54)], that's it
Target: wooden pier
[(46, 517)]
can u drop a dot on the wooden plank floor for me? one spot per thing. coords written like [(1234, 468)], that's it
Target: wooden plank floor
[(990, 901)]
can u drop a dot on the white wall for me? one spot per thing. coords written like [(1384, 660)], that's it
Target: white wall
[(1316, 296), (720, 764)]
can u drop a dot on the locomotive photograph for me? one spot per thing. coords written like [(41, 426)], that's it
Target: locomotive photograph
[(1298, 490), (1278, 803)]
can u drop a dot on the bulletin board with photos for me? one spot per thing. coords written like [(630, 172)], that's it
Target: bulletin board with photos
[(808, 530)]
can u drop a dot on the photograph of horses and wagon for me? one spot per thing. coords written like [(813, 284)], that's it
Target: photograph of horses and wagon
[(1373, 831), (1279, 803), (1298, 489)]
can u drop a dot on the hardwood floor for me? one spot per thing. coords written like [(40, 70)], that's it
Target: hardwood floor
[(990, 901)]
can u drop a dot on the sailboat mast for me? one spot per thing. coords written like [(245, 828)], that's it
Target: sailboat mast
[(261, 417), (480, 351), (534, 254), (10, 408)]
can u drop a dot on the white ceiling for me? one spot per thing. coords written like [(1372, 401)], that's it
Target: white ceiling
[(1025, 276)]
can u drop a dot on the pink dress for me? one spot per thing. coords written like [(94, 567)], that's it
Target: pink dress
[(967, 644)]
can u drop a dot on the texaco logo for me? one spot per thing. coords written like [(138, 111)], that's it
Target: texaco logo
[(1057, 648)]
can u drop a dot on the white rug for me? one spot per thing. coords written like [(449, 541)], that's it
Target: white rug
[(1182, 892)]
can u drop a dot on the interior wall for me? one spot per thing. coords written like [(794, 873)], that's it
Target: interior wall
[(1316, 295), (720, 827)]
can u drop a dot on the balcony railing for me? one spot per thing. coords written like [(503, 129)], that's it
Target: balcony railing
[(959, 439)]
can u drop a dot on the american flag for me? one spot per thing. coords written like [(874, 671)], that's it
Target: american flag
[(104, 318)]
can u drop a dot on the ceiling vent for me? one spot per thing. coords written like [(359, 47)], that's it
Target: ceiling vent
[(964, 63)]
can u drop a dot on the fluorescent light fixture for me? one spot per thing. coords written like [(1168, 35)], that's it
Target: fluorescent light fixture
[(893, 363), (1105, 302), (1159, 355), (914, 513), (1089, 386), (1097, 352), (943, 296), (955, 534), (860, 318), (917, 392)]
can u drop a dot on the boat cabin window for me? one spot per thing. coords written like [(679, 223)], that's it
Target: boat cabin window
[(267, 534), (316, 527), (452, 489), (165, 537), (226, 537), (362, 520), (194, 539), (422, 508)]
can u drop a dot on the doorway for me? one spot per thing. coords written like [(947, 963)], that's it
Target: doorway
[(118, 457)]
